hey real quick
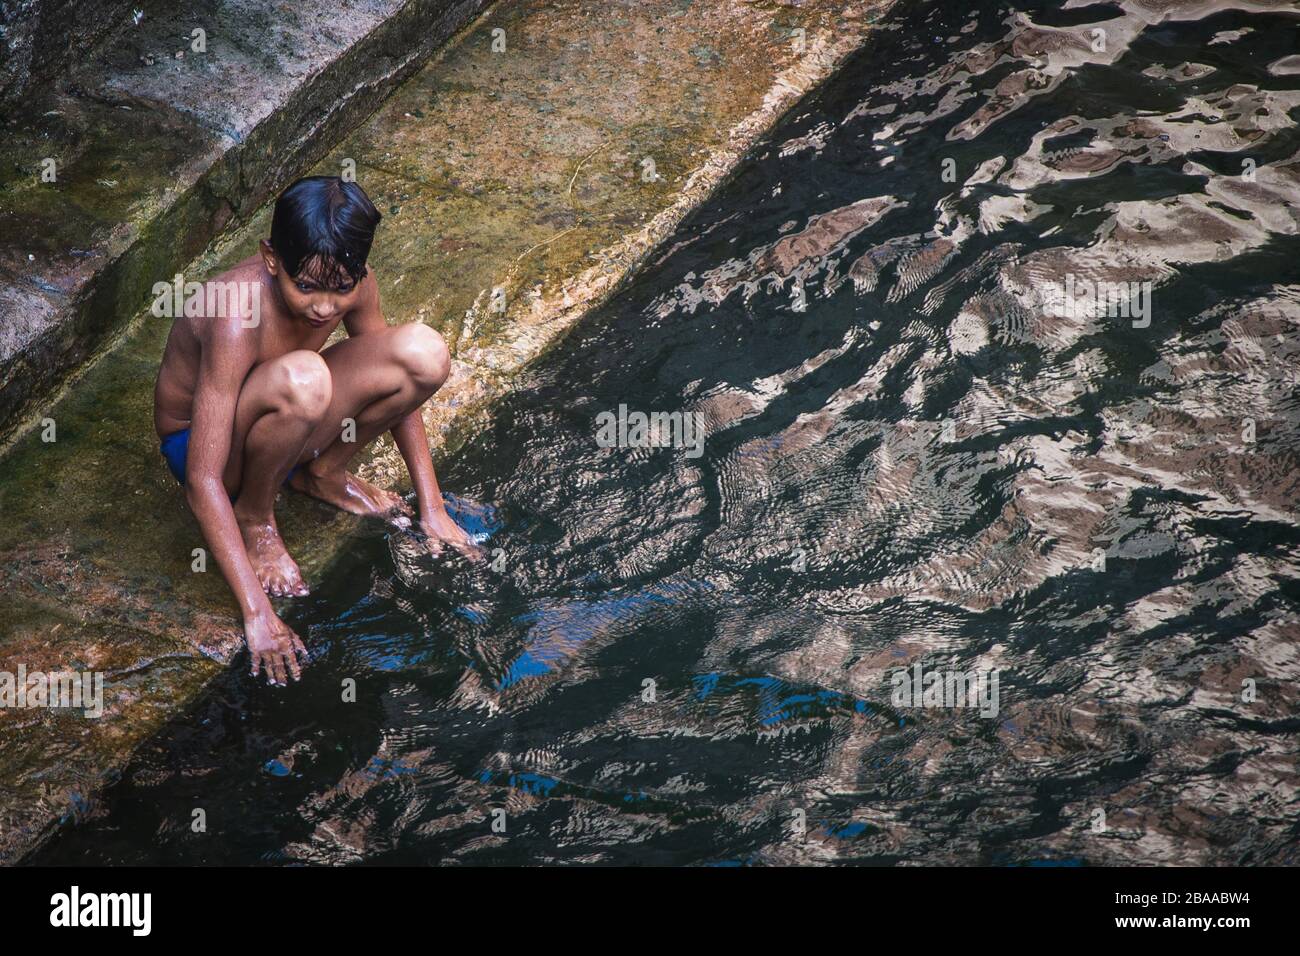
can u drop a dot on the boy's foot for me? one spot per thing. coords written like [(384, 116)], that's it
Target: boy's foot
[(347, 492), (277, 571)]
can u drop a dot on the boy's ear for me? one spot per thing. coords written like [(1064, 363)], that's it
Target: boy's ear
[(269, 257)]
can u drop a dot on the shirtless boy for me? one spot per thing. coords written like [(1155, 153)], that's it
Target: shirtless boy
[(246, 401)]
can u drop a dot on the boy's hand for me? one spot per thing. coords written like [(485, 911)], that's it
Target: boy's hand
[(441, 528), (273, 645)]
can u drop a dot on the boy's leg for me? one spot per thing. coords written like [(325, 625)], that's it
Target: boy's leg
[(378, 379), (281, 403)]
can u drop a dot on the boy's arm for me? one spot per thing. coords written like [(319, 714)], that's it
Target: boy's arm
[(409, 436), (413, 443), (223, 364)]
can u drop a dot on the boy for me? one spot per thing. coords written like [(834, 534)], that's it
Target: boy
[(246, 400)]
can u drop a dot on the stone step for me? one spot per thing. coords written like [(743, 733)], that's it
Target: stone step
[(182, 121)]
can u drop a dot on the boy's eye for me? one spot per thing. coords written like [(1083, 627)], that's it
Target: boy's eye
[(304, 287)]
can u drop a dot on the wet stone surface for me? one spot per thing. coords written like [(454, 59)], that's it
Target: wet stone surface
[(521, 170)]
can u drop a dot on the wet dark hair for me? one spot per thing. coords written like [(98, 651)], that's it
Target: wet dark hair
[(324, 226)]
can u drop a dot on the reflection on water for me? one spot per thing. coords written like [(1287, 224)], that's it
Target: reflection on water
[(996, 348)]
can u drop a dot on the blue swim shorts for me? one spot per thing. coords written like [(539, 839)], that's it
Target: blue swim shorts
[(175, 449)]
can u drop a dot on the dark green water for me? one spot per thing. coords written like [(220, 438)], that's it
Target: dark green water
[(922, 456)]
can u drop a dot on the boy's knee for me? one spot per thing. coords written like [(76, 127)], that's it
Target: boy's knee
[(421, 351), (303, 383)]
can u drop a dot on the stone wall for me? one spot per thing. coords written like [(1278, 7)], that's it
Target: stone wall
[(41, 39), (120, 171)]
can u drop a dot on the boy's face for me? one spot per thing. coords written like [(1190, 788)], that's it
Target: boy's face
[(307, 296)]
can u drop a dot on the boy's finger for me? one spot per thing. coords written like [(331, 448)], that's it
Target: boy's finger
[(287, 655), (257, 664), (274, 669)]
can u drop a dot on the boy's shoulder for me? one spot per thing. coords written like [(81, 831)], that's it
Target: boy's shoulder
[(249, 272), (226, 310), (238, 295), (244, 270), (366, 307)]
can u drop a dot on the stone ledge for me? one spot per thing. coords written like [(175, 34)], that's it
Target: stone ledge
[(155, 153)]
